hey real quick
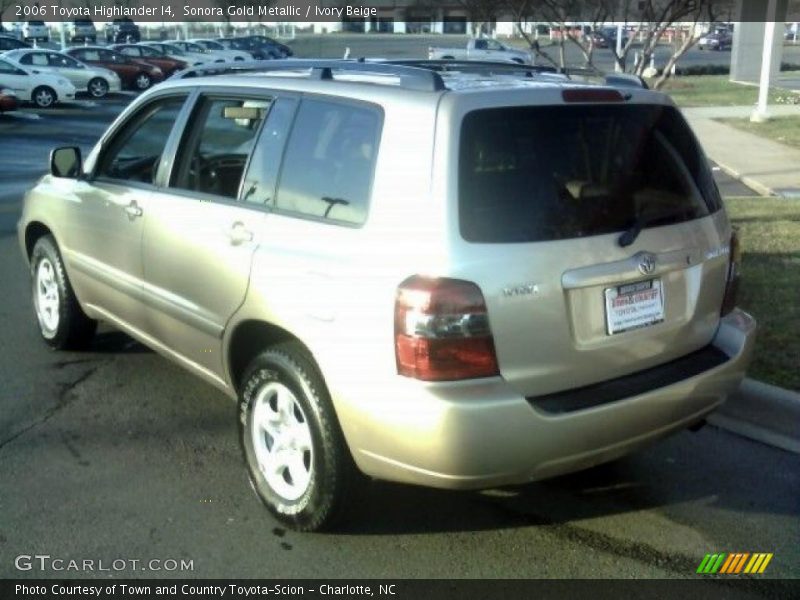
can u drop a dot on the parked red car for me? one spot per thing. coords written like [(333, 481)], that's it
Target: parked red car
[(151, 56), (134, 74), (8, 101)]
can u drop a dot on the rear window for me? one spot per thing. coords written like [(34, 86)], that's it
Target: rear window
[(530, 174)]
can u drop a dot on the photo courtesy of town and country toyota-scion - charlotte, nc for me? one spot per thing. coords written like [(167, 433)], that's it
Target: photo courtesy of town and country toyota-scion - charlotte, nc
[(197, 10), (199, 590)]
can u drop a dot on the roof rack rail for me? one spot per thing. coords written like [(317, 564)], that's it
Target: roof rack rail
[(411, 77), (475, 66), (625, 80)]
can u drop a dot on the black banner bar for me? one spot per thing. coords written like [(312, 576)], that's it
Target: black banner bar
[(702, 588)]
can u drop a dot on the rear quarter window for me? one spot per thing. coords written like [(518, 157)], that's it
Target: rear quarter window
[(329, 162), (531, 174)]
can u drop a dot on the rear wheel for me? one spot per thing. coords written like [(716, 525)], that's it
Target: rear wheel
[(298, 461), (98, 87), (143, 81), (43, 97), (62, 322)]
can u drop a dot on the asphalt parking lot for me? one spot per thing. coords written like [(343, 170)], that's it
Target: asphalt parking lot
[(117, 453)]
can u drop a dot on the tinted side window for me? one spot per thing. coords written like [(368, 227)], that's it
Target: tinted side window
[(7, 67), (330, 161), (59, 60), (262, 174), (135, 152), (214, 151)]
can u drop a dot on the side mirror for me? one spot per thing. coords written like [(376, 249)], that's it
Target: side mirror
[(66, 162)]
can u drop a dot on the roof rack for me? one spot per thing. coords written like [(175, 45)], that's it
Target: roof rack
[(484, 67), (411, 77)]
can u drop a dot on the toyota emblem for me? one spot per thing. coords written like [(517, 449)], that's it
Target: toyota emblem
[(647, 264)]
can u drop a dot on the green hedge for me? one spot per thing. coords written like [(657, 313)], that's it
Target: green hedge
[(720, 69)]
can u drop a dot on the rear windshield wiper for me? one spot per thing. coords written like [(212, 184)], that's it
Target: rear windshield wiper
[(629, 235)]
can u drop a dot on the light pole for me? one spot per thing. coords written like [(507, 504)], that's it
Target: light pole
[(760, 114)]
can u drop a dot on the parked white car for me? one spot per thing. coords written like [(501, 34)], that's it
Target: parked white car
[(29, 85), (96, 81), (192, 48), (172, 51), (218, 49)]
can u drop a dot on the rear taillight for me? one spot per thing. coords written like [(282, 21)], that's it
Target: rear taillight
[(441, 330), (732, 281)]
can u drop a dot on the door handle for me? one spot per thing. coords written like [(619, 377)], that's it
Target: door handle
[(239, 234), (134, 210)]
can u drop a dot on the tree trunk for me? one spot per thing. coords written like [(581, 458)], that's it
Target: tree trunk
[(667, 72)]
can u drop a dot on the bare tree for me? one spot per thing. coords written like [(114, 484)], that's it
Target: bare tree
[(662, 15), (645, 21), (525, 13), (561, 16)]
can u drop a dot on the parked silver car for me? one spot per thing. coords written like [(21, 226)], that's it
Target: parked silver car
[(453, 280), (96, 81)]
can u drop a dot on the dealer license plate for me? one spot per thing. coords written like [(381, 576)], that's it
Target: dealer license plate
[(634, 305)]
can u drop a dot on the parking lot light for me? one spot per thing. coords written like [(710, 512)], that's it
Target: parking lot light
[(760, 114)]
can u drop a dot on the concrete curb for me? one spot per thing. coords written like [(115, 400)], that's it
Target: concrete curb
[(754, 185), (762, 412)]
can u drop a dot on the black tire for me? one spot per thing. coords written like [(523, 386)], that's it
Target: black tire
[(97, 88), (44, 96), (72, 329), (332, 474), (142, 81)]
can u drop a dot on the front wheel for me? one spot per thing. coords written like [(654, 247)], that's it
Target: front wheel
[(143, 81), (62, 322), (298, 461), (43, 97), (98, 87)]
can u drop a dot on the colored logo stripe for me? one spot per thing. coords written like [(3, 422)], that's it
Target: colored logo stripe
[(711, 563), (734, 563), (758, 563)]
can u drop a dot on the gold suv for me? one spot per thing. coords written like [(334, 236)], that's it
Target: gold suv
[(457, 279)]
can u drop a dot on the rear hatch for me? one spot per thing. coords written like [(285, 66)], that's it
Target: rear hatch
[(596, 235)]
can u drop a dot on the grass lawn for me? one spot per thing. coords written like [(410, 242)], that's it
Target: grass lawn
[(769, 230), (785, 130), (713, 90)]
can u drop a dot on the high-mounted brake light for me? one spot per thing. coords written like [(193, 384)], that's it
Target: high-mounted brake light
[(441, 330), (591, 95), (732, 281)]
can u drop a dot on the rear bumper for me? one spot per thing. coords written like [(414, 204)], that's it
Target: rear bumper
[(472, 435)]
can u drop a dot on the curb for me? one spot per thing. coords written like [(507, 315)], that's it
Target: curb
[(754, 185), (762, 412)]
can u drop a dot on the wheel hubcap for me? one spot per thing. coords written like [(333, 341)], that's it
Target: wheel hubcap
[(143, 81), (98, 88), (282, 441), (46, 296), (43, 98)]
